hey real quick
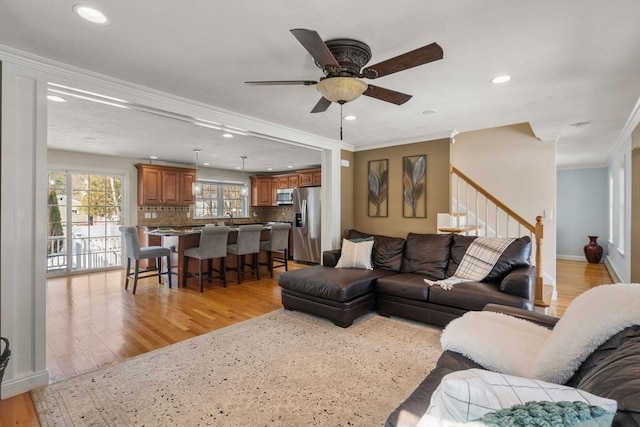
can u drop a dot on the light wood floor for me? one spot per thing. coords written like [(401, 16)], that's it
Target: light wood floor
[(93, 322)]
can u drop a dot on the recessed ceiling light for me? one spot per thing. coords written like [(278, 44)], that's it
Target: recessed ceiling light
[(91, 14), (153, 157), (349, 118), (269, 169), (500, 79), (289, 166), (56, 98), (238, 167), (207, 164), (429, 111), (227, 135)]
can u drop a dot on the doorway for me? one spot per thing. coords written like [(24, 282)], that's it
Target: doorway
[(84, 212)]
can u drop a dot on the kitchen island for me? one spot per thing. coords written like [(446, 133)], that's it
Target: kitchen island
[(180, 238)]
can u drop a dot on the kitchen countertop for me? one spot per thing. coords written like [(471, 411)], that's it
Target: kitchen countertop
[(170, 231)]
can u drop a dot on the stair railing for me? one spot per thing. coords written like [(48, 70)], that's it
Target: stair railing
[(493, 218)]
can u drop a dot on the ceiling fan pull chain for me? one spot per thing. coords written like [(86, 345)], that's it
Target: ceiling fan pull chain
[(341, 122)]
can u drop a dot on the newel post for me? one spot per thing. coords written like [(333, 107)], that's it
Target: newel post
[(539, 234)]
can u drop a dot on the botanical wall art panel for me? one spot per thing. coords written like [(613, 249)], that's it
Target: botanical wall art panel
[(414, 183), (378, 188)]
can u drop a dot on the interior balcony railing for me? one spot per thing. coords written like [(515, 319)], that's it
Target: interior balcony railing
[(476, 212)]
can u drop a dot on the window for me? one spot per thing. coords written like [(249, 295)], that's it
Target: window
[(220, 199), (611, 211), (621, 203)]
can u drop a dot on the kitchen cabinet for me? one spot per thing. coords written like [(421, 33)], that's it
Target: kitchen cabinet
[(262, 191), (165, 185), (310, 178), (287, 181), (187, 179)]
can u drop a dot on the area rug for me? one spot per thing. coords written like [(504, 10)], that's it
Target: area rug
[(281, 369)]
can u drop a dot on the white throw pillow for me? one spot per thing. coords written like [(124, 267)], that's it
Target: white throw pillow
[(495, 341), (356, 254), (464, 396), (590, 320)]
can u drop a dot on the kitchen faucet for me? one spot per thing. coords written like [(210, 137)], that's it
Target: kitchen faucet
[(230, 216)]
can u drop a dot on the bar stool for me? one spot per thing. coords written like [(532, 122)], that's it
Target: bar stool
[(135, 252), (213, 244), (248, 243), (278, 243)]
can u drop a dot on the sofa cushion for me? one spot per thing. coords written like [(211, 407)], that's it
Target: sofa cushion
[(516, 255), (338, 285), (387, 251), (404, 285), (472, 296), (427, 254), (616, 376), (356, 254)]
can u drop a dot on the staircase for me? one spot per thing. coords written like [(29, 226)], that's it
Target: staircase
[(476, 212)]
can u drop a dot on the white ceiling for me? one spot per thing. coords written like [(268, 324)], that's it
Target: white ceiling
[(571, 61)]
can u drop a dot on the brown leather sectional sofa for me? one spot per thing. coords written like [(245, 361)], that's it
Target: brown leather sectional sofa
[(396, 284), (611, 371)]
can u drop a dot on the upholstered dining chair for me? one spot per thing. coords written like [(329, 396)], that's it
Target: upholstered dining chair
[(248, 243), (278, 243), (136, 253), (213, 244)]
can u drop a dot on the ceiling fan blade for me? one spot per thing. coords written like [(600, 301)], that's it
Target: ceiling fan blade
[(283, 82), (388, 95), (311, 41), (420, 56), (321, 106)]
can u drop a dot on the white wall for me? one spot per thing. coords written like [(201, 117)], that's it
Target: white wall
[(519, 170), (583, 200)]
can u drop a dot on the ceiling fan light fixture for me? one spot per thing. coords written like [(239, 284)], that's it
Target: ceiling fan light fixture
[(341, 89)]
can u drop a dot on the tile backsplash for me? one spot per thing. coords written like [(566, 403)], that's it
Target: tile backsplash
[(183, 215)]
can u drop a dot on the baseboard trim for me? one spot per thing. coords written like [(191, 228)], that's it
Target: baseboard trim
[(571, 258), (22, 385), (612, 271)]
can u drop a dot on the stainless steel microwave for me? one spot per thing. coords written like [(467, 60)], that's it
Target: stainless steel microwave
[(284, 196)]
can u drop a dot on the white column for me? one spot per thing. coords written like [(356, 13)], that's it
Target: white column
[(23, 224), (330, 199)]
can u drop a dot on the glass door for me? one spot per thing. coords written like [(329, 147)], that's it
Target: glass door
[(85, 211)]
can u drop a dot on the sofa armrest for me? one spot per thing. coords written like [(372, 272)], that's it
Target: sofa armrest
[(532, 316), (331, 258), (520, 282)]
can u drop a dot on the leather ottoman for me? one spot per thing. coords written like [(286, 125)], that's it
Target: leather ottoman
[(340, 295)]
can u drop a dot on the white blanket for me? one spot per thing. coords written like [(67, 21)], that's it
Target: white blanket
[(477, 262), (514, 346)]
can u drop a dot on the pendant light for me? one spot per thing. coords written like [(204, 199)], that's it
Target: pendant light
[(197, 185), (244, 191)]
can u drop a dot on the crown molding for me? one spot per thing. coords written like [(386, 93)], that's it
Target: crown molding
[(625, 133), (143, 95)]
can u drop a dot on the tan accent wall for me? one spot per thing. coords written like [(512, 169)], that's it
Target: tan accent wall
[(346, 194), (635, 205), (394, 224)]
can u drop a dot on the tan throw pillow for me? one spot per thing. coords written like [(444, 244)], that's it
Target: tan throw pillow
[(356, 254)]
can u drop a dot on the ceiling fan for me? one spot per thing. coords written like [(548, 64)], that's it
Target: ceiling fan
[(341, 61)]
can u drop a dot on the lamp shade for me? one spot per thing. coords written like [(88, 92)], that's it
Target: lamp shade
[(341, 89)]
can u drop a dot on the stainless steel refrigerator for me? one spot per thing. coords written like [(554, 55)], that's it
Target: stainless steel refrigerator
[(306, 225)]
